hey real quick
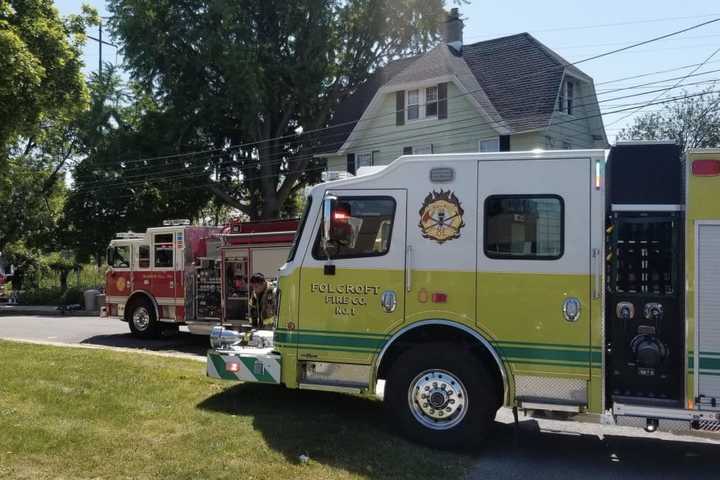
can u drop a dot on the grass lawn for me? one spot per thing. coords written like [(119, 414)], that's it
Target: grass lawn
[(76, 413)]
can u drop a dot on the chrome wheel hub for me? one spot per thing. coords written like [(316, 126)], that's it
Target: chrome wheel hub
[(141, 318), (437, 399)]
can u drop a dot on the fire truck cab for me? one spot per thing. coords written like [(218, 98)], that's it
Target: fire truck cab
[(583, 283), (180, 274)]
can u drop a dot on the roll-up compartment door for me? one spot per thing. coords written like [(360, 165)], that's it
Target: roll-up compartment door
[(707, 356)]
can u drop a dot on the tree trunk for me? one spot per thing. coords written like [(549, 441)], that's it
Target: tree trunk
[(63, 280)]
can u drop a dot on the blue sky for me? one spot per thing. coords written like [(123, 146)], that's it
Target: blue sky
[(577, 30)]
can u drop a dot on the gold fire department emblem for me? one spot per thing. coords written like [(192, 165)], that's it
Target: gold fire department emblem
[(441, 216), (120, 283)]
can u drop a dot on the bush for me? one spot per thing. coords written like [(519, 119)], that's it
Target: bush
[(51, 296)]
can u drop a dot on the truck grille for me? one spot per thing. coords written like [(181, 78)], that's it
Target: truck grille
[(707, 425)]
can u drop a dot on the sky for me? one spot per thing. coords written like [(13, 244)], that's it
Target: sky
[(578, 30)]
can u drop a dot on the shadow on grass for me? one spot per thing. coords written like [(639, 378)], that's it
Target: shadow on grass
[(337, 430), (351, 433), (179, 342)]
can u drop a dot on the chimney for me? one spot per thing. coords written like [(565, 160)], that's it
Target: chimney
[(454, 32)]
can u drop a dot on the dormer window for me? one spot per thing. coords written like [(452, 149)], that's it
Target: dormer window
[(422, 103), (566, 97), (431, 98)]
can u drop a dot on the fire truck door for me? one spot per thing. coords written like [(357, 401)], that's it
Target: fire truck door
[(534, 266), (348, 304), (118, 283)]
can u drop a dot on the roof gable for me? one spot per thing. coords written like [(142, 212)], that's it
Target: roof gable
[(514, 80)]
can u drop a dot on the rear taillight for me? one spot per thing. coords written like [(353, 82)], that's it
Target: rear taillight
[(706, 168)]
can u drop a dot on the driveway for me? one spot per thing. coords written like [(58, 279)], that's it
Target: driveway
[(95, 331)]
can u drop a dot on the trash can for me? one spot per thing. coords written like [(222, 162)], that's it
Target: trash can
[(91, 300)]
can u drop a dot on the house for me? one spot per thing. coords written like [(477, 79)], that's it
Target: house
[(509, 93)]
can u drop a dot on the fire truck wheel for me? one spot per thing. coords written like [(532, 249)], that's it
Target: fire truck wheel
[(441, 397), (142, 319)]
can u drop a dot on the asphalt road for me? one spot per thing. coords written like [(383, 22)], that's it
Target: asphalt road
[(96, 331), (542, 448)]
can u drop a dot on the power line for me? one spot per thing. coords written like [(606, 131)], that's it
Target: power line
[(602, 25), (663, 93), (406, 140), (376, 141), (507, 81)]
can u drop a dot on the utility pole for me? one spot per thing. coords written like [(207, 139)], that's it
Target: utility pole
[(101, 42)]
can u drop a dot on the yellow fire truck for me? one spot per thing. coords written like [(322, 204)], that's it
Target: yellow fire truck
[(582, 282)]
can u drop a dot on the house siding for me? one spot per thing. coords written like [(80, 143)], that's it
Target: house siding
[(460, 132), (574, 129)]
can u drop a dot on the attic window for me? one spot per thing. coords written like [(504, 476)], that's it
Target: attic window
[(413, 104), (422, 103), (431, 98), (566, 97)]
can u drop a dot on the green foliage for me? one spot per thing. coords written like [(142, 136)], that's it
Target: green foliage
[(52, 296), (41, 93), (40, 62), (245, 72), (113, 191), (693, 122)]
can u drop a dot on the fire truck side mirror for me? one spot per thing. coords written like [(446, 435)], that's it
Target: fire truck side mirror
[(329, 202)]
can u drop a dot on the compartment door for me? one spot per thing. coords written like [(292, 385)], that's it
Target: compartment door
[(707, 354), (534, 271)]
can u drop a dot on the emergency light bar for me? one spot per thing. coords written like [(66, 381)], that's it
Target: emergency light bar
[(180, 221), (130, 235)]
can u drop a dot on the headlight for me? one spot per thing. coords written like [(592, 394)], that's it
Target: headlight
[(221, 337)]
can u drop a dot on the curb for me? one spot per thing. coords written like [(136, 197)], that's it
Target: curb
[(184, 356), (11, 311)]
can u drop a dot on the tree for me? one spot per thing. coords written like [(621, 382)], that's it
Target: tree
[(691, 122), (41, 91), (246, 78), (113, 189)]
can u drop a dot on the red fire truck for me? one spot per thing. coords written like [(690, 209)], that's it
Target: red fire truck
[(180, 274)]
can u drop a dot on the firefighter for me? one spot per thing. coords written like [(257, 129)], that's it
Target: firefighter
[(262, 302)]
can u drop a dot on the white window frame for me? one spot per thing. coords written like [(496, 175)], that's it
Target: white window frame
[(367, 155), (136, 254), (408, 105), (496, 141), (422, 103), (566, 99), (152, 253), (421, 149)]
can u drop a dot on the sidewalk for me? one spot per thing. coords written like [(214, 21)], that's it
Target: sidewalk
[(45, 310)]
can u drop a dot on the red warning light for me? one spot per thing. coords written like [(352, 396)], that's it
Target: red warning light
[(706, 168), (439, 297)]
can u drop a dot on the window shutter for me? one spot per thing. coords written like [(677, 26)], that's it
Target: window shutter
[(504, 143), (351, 163), (442, 101), (400, 108)]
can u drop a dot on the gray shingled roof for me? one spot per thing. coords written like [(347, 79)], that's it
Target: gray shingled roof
[(520, 76)]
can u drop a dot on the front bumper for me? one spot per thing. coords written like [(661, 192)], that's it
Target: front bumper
[(245, 364)]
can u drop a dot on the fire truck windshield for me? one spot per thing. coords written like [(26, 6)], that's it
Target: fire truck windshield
[(301, 227), (119, 256)]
